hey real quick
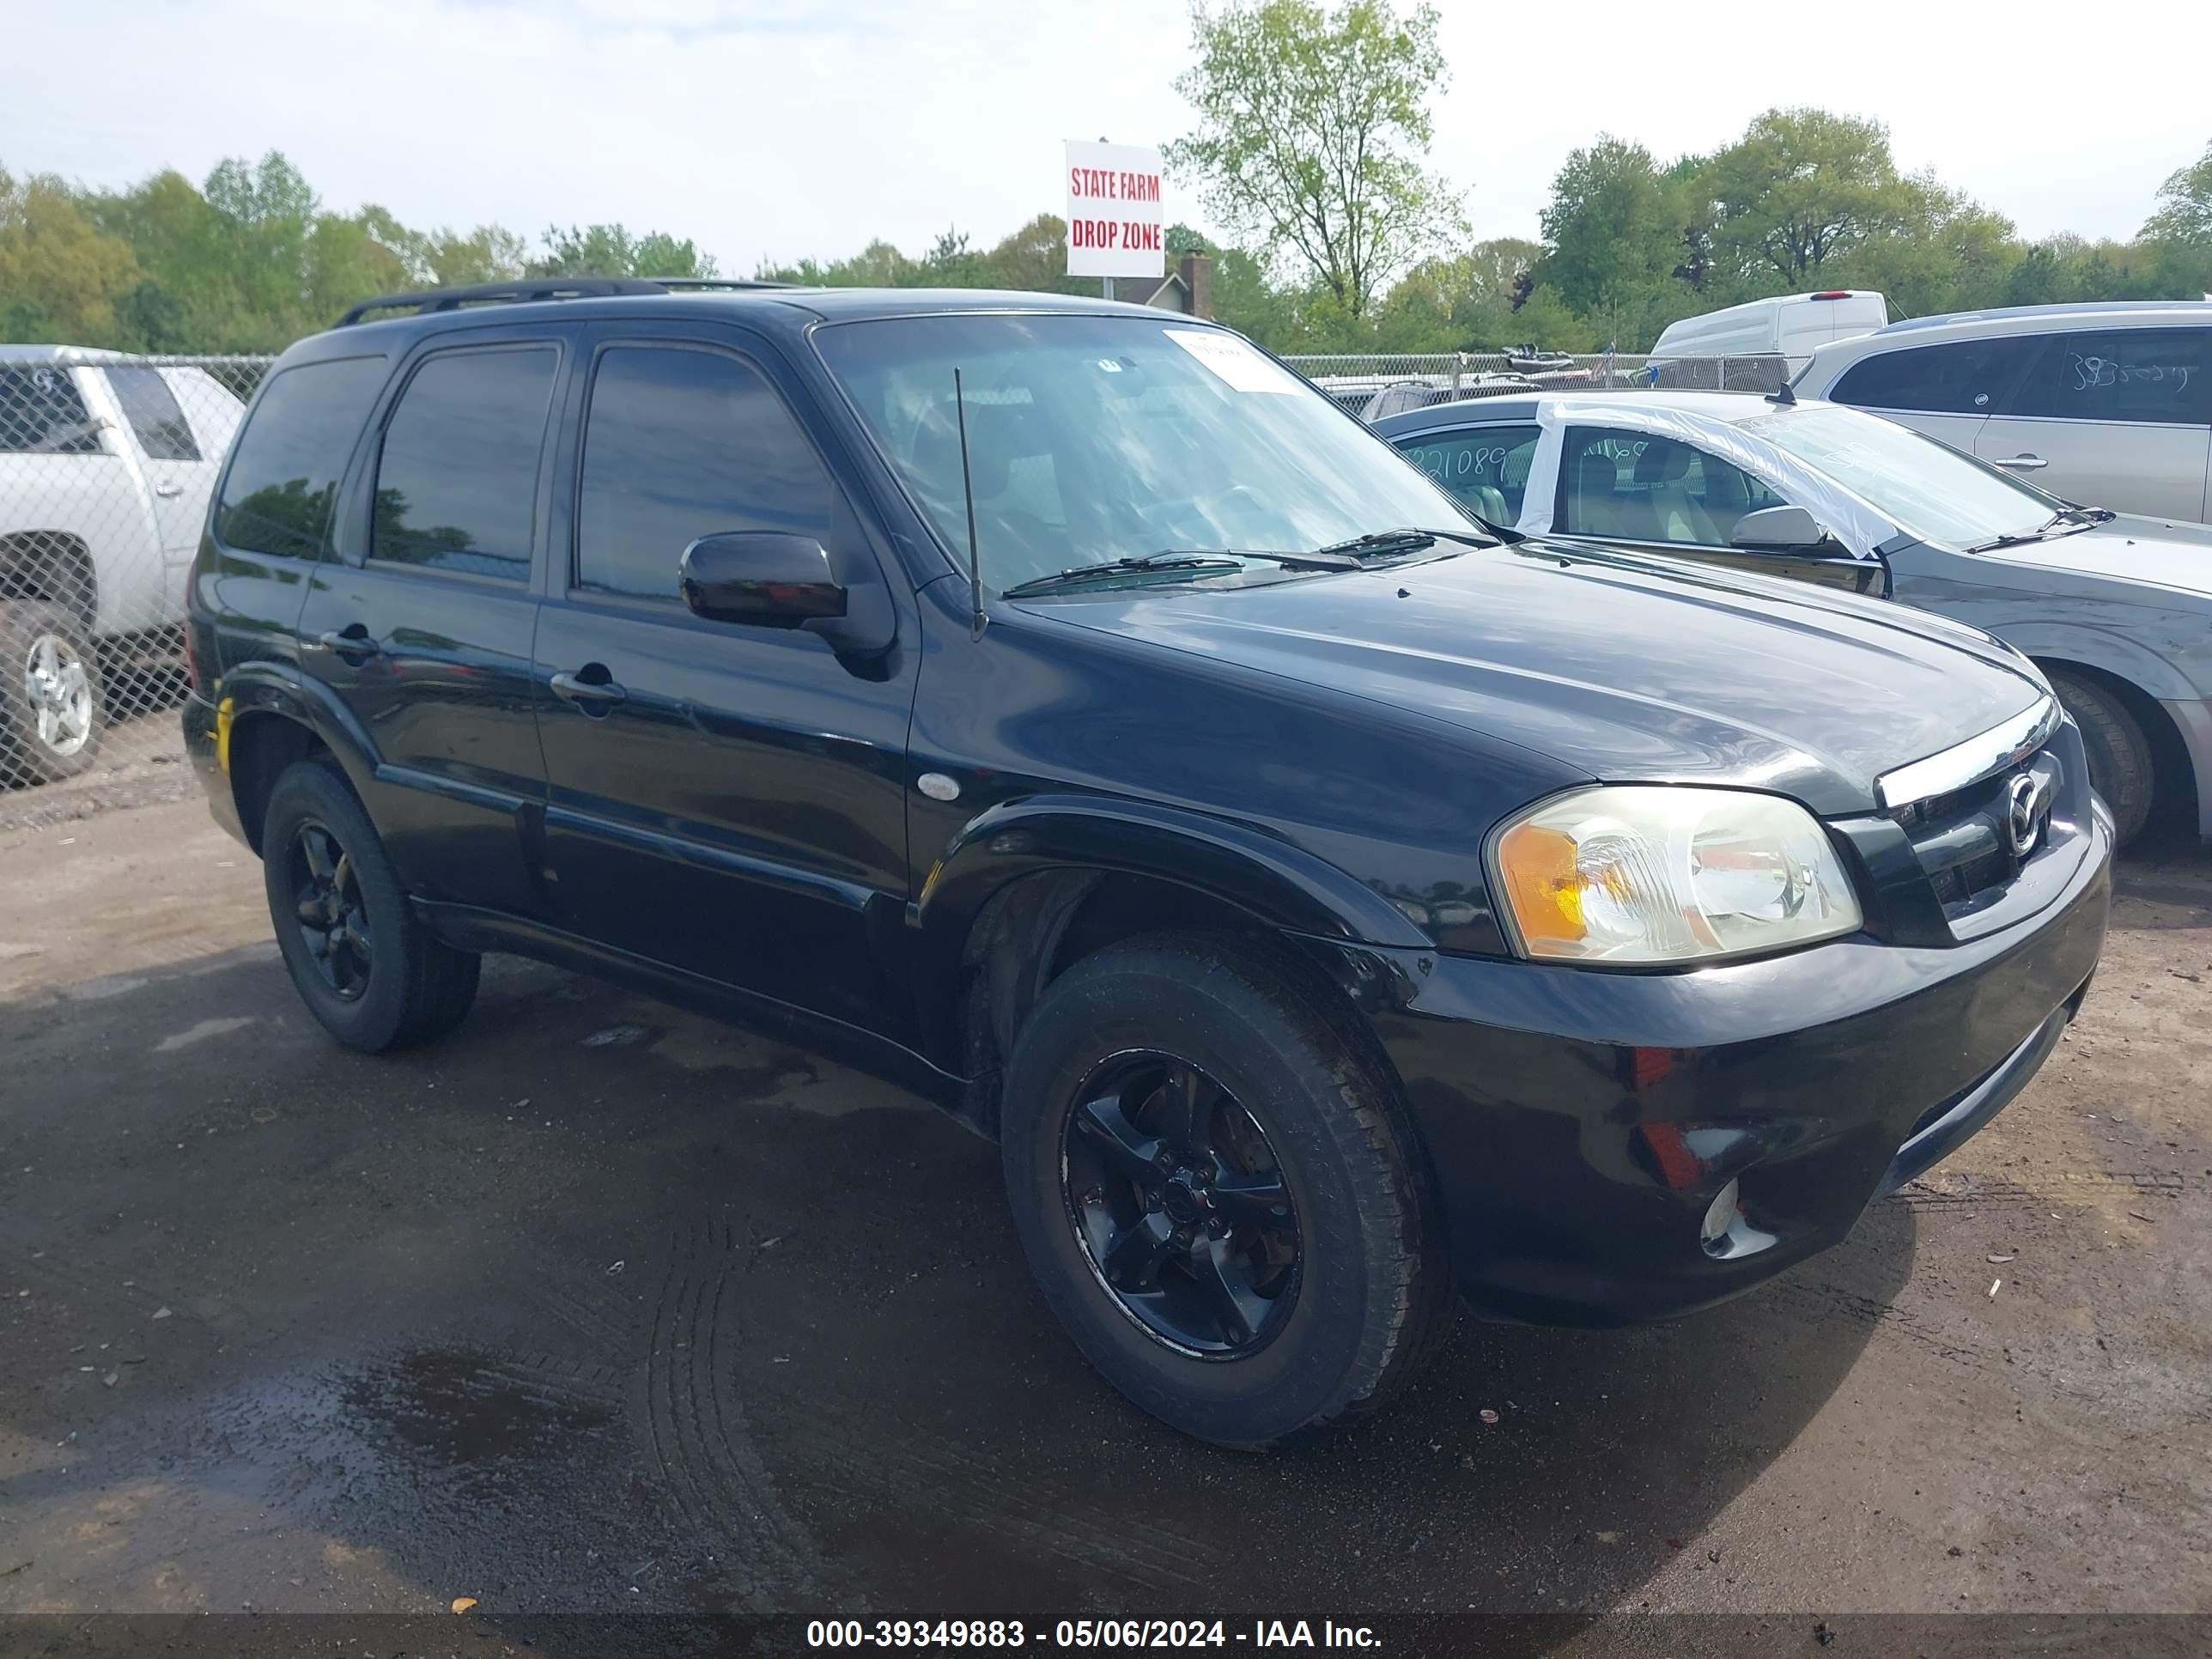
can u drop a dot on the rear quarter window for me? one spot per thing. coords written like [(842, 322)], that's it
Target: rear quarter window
[(1957, 377), (286, 466)]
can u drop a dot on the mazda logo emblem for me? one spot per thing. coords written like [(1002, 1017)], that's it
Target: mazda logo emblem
[(2023, 813)]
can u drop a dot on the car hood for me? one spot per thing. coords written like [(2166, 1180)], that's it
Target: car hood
[(1623, 667), (2166, 553)]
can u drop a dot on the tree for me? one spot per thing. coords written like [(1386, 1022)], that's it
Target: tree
[(1615, 227), (1800, 188), (1312, 133), (612, 250), (2184, 205), (61, 279)]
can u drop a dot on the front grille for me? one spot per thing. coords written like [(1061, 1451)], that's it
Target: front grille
[(1962, 841)]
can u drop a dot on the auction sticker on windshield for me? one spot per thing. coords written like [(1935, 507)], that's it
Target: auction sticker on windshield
[(1233, 361)]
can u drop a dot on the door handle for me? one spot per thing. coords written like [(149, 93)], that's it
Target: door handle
[(354, 644), (168, 490), (572, 687), (2020, 463)]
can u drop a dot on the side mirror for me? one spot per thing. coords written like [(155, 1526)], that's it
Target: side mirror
[(1781, 529), (762, 578)]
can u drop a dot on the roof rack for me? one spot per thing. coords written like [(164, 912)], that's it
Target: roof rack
[(547, 288)]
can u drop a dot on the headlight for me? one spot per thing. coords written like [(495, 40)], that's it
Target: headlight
[(1638, 874)]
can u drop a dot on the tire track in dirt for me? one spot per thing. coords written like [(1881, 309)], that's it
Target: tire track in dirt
[(695, 1426)]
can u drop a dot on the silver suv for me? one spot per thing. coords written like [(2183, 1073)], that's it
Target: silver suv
[(2108, 404)]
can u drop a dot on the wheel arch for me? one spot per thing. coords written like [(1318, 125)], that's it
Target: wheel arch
[(270, 718), (2175, 784), (1028, 889)]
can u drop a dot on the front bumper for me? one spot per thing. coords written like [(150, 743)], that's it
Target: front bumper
[(1579, 1124)]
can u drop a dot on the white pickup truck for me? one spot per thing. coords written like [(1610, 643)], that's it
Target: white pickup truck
[(106, 466)]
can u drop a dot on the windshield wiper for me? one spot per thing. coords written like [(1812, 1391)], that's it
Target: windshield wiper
[(1204, 562), (1385, 543), (1148, 562)]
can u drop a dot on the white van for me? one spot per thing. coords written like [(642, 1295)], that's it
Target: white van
[(1787, 325)]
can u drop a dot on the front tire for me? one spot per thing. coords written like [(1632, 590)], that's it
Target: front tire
[(2120, 765), (52, 710), (366, 968), (1218, 1192)]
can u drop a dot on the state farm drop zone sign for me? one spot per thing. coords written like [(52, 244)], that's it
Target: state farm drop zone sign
[(1114, 226)]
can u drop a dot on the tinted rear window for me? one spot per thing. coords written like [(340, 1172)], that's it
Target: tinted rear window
[(1960, 377), (285, 470), (457, 482), (41, 414), (2150, 374)]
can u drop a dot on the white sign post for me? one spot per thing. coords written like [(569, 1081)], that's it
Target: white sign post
[(1114, 226)]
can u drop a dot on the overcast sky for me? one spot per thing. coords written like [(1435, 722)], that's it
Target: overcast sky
[(809, 126)]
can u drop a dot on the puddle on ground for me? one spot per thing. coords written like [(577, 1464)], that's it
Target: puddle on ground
[(462, 1408)]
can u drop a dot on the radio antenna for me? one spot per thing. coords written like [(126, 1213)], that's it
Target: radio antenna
[(968, 490)]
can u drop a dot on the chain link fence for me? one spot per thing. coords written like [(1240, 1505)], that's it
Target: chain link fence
[(106, 463)]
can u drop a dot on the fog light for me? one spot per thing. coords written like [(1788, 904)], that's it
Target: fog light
[(1720, 1216), (1724, 1232)]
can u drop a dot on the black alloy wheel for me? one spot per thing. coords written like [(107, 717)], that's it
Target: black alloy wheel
[(1178, 1201), (329, 910)]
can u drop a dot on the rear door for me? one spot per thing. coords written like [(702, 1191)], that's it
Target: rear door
[(2113, 417), (423, 627), (727, 800), (1642, 490), (1948, 389)]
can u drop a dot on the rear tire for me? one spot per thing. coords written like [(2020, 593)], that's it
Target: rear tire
[(1307, 1196), (2120, 765), (363, 963), (52, 707)]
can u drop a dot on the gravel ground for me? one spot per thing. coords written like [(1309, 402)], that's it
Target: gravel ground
[(597, 1307)]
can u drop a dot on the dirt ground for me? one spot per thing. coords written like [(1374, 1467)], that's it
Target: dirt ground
[(601, 1308)]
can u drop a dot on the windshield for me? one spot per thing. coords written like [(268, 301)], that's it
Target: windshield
[(1091, 439), (1925, 488)]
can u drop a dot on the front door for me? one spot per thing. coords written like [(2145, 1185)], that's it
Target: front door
[(424, 626), (1644, 489), (727, 800)]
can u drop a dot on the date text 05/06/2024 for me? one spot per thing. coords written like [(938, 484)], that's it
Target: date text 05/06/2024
[(1106, 1633)]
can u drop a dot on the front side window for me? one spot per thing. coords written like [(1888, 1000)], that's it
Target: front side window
[(681, 443), (41, 413), (1485, 467), (1959, 377), (1097, 438), (457, 481), (159, 425), (2161, 375), (1639, 487), (285, 468)]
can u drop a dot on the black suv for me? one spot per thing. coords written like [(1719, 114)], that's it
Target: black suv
[(1319, 900)]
